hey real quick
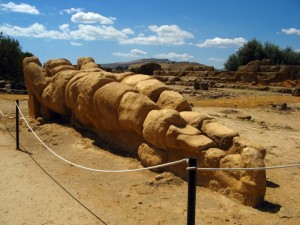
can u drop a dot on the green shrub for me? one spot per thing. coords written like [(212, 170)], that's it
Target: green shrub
[(255, 50)]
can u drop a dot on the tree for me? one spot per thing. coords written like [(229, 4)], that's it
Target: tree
[(232, 63), (290, 57), (273, 53), (252, 50), (11, 57), (255, 50)]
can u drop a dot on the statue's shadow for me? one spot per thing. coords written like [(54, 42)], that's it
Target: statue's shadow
[(267, 206)]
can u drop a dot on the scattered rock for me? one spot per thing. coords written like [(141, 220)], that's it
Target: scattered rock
[(284, 106), (296, 91), (39, 121)]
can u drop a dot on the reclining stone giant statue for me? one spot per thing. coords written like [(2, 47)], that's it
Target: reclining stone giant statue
[(144, 116)]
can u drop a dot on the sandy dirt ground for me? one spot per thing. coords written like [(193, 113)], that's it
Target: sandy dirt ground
[(39, 188)]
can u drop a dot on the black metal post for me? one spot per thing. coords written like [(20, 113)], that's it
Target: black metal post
[(192, 192), (17, 125)]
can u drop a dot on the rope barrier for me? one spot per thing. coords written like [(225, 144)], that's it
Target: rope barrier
[(154, 167), (1, 113), (93, 169), (246, 168)]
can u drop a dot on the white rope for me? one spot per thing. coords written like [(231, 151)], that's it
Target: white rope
[(98, 170), (1, 113), (249, 168)]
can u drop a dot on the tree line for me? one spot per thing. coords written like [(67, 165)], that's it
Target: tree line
[(255, 50), (11, 58)]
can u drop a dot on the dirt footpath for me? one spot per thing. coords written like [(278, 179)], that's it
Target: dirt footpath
[(41, 189)]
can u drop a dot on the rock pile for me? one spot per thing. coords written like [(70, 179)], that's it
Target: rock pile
[(142, 115)]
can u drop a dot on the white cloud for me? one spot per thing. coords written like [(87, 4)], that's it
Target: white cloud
[(22, 8), (71, 10), (137, 51), (75, 43), (134, 53), (168, 35), (128, 31), (173, 55), (291, 31), (216, 59), (91, 33), (222, 42), (164, 35), (90, 17), (36, 30), (83, 32)]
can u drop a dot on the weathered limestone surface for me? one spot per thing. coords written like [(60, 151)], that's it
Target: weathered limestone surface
[(141, 115)]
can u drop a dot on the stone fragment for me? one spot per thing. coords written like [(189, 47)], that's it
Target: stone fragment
[(133, 80), (239, 143), (194, 143), (106, 105), (213, 156), (151, 156), (157, 123), (151, 88), (193, 118), (173, 100), (133, 110), (221, 135), (173, 133)]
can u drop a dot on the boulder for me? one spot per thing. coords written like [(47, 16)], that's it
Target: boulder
[(135, 79), (133, 110), (232, 161), (253, 182), (147, 68), (55, 66), (151, 88), (157, 123), (73, 90), (213, 156), (106, 104), (194, 143), (174, 131), (193, 118), (296, 91), (89, 86), (239, 143), (221, 135), (35, 79), (84, 61), (173, 100), (54, 94), (151, 156), (32, 59)]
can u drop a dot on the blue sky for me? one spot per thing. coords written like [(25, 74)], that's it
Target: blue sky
[(123, 30)]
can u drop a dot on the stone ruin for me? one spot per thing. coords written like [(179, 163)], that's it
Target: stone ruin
[(142, 115), (255, 73)]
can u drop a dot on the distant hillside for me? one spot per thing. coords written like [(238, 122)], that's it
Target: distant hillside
[(131, 63)]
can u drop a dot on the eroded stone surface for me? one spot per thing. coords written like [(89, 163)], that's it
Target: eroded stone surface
[(141, 115)]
